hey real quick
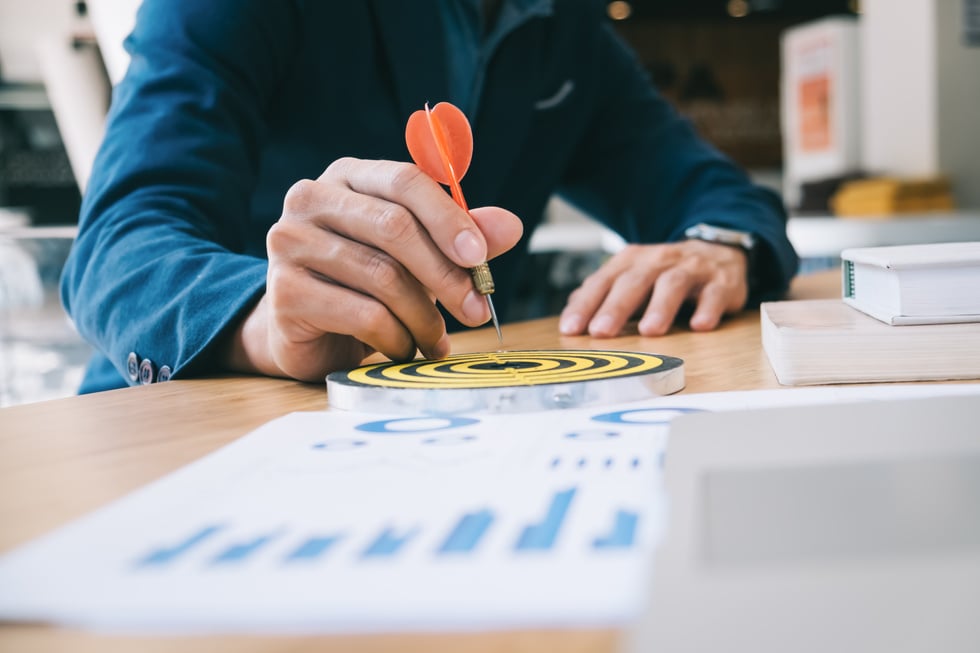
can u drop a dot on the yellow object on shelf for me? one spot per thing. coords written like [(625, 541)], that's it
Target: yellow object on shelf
[(885, 196)]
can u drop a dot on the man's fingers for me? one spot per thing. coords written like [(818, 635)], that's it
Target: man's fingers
[(371, 272), (404, 184), (612, 294), (711, 306), (672, 288), (584, 302), (723, 294), (391, 228), (304, 308), (376, 274), (662, 277), (629, 292)]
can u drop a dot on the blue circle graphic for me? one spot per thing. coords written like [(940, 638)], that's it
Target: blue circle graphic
[(403, 425), (660, 415)]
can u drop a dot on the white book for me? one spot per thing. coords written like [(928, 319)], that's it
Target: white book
[(914, 284), (818, 341)]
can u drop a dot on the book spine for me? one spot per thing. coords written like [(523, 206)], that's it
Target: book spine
[(847, 283)]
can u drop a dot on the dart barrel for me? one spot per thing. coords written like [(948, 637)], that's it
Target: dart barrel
[(482, 279)]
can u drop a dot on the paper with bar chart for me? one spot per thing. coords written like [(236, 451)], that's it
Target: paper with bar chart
[(350, 522), (335, 521)]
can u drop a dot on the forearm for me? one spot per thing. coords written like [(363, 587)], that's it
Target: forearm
[(158, 292)]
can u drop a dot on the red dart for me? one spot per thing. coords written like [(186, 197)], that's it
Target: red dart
[(441, 144)]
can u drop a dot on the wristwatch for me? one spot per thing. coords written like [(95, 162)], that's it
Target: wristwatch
[(731, 237), (722, 236)]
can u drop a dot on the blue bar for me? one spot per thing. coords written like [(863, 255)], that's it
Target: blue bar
[(466, 536), (542, 536), (622, 534), (387, 544), (166, 556), (312, 548), (239, 552)]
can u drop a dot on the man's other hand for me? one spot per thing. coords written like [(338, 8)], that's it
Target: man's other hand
[(652, 282)]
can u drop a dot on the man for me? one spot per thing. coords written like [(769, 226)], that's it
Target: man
[(252, 209)]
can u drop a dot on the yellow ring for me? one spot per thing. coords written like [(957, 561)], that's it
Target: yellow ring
[(459, 371)]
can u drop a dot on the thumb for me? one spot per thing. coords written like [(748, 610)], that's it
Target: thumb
[(501, 228)]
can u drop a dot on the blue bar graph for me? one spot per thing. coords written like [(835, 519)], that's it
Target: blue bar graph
[(239, 552), (168, 555), (313, 548), (465, 537), (622, 534), (387, 544), (542, 536)]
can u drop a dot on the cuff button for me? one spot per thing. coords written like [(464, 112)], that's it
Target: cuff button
[(133, 366), (147, 371)]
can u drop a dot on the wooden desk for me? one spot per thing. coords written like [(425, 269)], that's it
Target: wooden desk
[(62, 459)]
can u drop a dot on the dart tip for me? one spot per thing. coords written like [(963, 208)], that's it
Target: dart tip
[(496, 322)]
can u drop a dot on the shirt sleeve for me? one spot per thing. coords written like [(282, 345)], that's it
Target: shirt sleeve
[(159, 266), (644, 171)]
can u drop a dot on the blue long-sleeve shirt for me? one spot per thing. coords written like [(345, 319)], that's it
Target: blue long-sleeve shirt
[(227, 103)]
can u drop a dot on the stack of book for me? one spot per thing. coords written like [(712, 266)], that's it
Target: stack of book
[(908, 313)]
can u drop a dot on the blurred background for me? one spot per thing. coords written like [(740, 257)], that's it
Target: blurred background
[(863, 114)]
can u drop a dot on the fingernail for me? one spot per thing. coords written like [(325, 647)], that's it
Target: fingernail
[(470, 250), (475, 308), (702, 323), (652, 323), (601, 326), (571, 324)]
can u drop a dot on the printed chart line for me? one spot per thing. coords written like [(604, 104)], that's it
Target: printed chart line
[(467, 533)]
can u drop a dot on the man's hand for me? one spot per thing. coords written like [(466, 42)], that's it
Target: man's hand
[(356, 264), (653, 281)]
